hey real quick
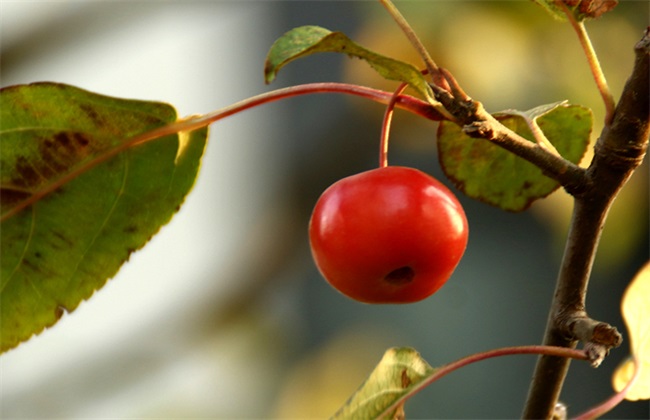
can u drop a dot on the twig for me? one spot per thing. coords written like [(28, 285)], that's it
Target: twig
[(477, 122), (431, 66)]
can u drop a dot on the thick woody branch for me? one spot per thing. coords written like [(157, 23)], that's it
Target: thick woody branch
[(619, 151)]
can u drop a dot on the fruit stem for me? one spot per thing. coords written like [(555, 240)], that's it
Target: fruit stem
[(385, 126), (592, 59), (505, 351)]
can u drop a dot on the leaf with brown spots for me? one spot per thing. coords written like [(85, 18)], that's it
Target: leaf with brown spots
[(78, 195), (397, 375)]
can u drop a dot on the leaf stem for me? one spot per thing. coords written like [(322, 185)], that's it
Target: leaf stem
[(385, 126), (406, 102), (592, 59), (505, 351), (539, 136), (415, 41)]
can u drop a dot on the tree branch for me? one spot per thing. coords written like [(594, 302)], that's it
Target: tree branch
[(618, 152)]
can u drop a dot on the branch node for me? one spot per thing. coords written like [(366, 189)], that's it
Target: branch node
[(454, 87), (599, 337), (479, 129), (581, 327), (461, 106), (607, 335)]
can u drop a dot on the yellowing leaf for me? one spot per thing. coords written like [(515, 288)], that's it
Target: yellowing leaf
[(636, 313), (640, 389)]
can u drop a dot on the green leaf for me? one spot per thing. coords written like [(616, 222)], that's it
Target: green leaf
[(73, 209), (307, 40), (497, 177), (397, 374), (581, 9)]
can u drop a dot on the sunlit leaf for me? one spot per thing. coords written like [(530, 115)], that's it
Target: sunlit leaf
[(636, 314), (307, 40), (73, 210), (396, 375), (497, 177)]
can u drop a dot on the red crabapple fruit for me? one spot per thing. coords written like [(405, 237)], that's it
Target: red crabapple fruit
[(388, 235)]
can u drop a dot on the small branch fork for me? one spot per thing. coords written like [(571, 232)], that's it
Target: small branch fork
[(478, 123), (619, 151)]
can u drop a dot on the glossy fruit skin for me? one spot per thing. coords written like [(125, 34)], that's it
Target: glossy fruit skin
[(388, 235)]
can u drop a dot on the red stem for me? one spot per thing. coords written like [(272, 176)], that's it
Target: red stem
[(406, 102), (409, 103), (505, 351), (385, 126)]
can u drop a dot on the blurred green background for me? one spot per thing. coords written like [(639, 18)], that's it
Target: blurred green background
[(223, 314)]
